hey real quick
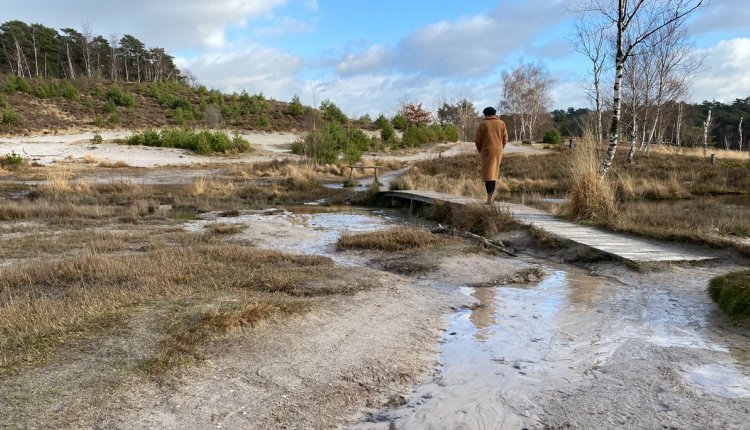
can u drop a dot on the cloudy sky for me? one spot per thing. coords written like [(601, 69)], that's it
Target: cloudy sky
[(367, 56)]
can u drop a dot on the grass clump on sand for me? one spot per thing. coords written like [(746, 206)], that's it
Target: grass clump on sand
[(732, 293), (478, 219), (589, 197), (202, 142), (394, 239)]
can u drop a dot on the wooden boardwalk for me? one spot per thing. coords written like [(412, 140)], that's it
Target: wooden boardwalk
[(631, 249)]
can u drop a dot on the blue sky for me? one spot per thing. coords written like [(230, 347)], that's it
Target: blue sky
[(368, 56)]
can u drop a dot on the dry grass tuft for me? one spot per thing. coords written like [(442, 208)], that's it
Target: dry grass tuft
[(393, 239), (45, 304), (479, 219), (119, 164), (301, 177), (590, 197), (225, 228)]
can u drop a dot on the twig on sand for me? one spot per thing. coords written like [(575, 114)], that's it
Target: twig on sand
[(492, 244), (44, 155)]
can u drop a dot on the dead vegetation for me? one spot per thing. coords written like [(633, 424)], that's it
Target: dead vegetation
[(478, 219), (393, 239), (667, 194)]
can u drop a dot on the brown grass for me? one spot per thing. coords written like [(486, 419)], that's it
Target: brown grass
[(479, 219), (589, 197), (224, 228), (45, 304), (393, 239)]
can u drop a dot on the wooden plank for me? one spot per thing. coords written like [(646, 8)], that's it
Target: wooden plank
[(633, 249)]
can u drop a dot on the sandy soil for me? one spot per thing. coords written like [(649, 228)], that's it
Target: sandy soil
[(50, 148), (266, 146)]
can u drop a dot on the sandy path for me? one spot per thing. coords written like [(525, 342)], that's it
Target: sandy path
[(50, 148)]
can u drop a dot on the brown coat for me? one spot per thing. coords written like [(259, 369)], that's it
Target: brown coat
[(492, 136)]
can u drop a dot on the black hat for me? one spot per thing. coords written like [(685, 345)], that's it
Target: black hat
[(489, 111)]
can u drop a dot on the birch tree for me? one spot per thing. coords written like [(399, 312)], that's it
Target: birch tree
[(590, 41), (620, 16), (706, 124), (526, 93)]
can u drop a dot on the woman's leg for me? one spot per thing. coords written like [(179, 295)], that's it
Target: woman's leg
[(490, 187)]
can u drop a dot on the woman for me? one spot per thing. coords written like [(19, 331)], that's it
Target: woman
[(492, 136)]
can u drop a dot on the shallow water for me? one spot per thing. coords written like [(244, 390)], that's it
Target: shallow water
[(499, 360)]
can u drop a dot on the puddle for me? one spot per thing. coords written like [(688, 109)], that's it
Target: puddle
[(520, 341), (723, 380), (306, 229), (363, 183)]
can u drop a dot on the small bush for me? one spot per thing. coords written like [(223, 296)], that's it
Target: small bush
[(41, 91), (109, 107), (552, 137), (98, 121), (417, 136), (203, 142), (295, 108), (451, 133), (10, 87), (331, 112), (10, 116), (381, 121), (114, 118), (328, 142), (399, 122), (97, 139), (732, 293), (387, 133), (12, 161), (120, 97), (23, 85)]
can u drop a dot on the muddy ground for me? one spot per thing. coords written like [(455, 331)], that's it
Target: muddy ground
[(452, 338)]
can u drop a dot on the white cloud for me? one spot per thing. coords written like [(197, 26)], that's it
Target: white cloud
[(255, 69), (726, 77), (373, 58), (172, 24), (722, 15), (474, 46)]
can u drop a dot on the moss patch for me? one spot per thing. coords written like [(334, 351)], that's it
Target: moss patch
[(732, 293)]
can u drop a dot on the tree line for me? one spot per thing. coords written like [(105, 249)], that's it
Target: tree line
[(35, 50)]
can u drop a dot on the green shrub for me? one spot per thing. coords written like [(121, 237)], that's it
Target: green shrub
[(10, 87), (41, 91), (263, 122), (120, 97), (365, 119), (387, 133), (399, 122), (203, 142), (114, 118), (98, 121), (22, 85), (327, 143), (451, 133), (109, 107), (97, 139), (67, 90), (732, 293), (331, 112), (552, 137), (381, 121), (295, 108), (12, 161), (10, 116), (416, 136)]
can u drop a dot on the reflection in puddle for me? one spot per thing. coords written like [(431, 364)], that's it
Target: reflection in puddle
[(722, 380), (306, 230)]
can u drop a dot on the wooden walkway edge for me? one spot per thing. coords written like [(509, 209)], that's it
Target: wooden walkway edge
[(628, 248)]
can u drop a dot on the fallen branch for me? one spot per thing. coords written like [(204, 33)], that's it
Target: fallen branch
[(492, 244), (44, 155)]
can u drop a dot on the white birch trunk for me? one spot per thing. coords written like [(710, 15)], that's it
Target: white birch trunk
[(70, 61), (705, 133), (740, 130), (678, 127), (616, 114), (633, 138)]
